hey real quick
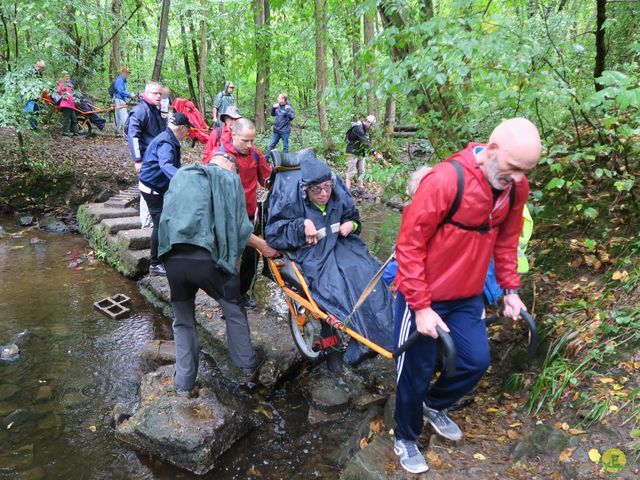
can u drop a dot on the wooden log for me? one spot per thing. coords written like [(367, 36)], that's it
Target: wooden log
[(404, 134), (405, 128)]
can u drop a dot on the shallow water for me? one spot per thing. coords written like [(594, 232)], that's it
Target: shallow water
[(76, 364)]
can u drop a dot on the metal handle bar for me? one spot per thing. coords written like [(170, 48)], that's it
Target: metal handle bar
[(448, 349), (531, 325)]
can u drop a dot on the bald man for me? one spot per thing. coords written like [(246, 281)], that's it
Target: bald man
[(466, 210)]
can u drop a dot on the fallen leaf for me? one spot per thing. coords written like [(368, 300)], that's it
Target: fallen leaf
[(607, 380), (594, 455), (92, 428), (575, 431), (613, 408), (363, 443), (375, 426), (515, 425), (512, 434), (479, 456), (492, 410), (618, 275), (434, 459), (565, 455)]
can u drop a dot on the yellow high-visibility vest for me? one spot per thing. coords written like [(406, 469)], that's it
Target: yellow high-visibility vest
[(525, 236)]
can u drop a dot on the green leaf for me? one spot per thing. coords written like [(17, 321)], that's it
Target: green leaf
[(590, 213), (555, 183)]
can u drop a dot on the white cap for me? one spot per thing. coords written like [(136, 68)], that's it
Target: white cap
[(371, 119)]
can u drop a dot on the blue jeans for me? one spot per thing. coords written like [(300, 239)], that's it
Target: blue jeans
[(275, 138), (416, 366)]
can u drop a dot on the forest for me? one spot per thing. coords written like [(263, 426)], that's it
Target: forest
[(436, 73)]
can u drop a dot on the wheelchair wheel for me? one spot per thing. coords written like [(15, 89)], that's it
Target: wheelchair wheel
[(84, 128), (305, 336)]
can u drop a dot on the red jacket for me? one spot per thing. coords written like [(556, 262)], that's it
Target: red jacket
[(253, 168), (215, 141), (439, 262)]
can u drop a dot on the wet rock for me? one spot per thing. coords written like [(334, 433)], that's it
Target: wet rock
[(7, 391), (328, 396), (15, 419), (2, 230), (18, 459), (44, 394), (51, 224), (389, 410), (9, 352), (163, 351), (351, 445), (373, 463), (190, 433), (35, 473), (26, 220), (120, 414), (543, 440), (368, 400)]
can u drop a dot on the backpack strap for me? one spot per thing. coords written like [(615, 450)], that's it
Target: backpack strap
[(256, 156), (459, 192)]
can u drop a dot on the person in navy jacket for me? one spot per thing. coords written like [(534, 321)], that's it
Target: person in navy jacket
[(161, 162), (282, 127)]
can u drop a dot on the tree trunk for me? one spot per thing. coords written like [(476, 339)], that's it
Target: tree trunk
[(203, 55), (187, 64), (355, 48), (267, 58), (321, 70), (601, 48), (259, 23), (194, 44), (389, 115), (337, 66), (115, 61), (369, 34), (162, 40)]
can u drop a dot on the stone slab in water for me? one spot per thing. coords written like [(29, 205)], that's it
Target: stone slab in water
[(51, 224), (26, 220), (114, 225), (188, 433), (136, 239), (268, 331), (160, 350)]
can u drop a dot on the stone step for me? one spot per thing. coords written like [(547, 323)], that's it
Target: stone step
[(99, 211), (134, 263), (136, 239), (114, 225)]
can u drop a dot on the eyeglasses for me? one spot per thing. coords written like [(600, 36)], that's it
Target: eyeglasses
[(317, 189)]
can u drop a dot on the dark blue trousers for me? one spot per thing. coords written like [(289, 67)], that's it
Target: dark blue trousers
[(275, 138), (415, 367)]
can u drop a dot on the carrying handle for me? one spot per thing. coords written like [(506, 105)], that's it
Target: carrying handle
[(448, 349), (531, 325)]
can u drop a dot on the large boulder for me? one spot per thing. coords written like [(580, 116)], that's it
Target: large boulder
[(190, 433)]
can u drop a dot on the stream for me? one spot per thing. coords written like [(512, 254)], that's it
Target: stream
[(76, 364)]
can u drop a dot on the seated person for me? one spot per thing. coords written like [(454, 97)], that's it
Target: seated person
[(316, 221)]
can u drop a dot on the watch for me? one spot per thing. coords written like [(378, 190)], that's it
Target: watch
[(511, 291)]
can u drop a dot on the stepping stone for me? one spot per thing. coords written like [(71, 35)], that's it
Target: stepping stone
[(136, 239), (114, 225), (114, 307)]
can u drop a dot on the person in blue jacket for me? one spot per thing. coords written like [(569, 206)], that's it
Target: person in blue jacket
[(282, 127), (120, 98), (161, 162)]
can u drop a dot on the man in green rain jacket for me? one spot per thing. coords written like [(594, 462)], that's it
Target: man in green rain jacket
[(203, 230)]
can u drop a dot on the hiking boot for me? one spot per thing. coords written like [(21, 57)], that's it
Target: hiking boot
[(157, 270), (334, 361), (441, 423), (193, 393), (248, 374), (410, 457), (248, 302)]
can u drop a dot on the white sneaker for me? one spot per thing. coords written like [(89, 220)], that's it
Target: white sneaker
[(410, 457)]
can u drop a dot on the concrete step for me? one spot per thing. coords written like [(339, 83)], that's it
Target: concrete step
[(99, 211), (136, 239), (114, 225), (134, 263)]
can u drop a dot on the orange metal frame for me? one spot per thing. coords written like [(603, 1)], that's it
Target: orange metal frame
[(49, 101), (313, 309)]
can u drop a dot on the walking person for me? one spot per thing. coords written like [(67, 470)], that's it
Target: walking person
[(160, 164), (358, 145), (67, 105), (145, 124), (223, 100), (120, 98), (463, 213), (203, 230), (282, 127)]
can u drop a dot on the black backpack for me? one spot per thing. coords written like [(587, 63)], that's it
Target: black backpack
[(112, 89)]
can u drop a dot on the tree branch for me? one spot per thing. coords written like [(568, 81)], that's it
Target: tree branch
[(100, 47)]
